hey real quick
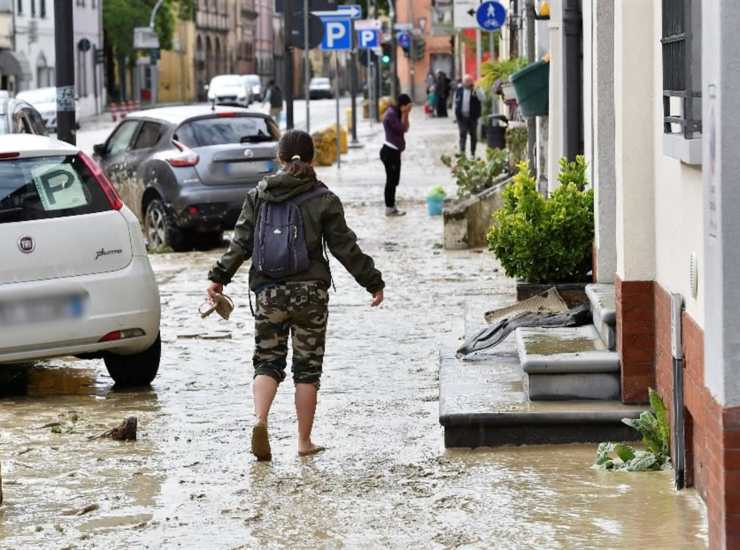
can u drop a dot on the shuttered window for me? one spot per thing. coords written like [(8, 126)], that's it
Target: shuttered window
[(682, 67)]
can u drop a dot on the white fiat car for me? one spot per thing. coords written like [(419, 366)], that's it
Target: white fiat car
[(75, 278)]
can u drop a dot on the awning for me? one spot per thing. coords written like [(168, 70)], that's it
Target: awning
[(14, 63)]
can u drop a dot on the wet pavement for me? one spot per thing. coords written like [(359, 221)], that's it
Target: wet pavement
[(386, 480)]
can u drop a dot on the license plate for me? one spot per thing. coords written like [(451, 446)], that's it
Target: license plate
[(246, 167), (41, 310)]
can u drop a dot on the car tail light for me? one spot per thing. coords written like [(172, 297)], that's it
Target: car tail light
[(227, 114), (122, 334), (187, 156), (6, 156), (114, 199)]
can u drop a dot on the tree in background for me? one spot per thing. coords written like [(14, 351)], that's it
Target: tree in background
[(120, 17)]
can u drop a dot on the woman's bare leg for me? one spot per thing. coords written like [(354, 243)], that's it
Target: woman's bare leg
[(305, 406)]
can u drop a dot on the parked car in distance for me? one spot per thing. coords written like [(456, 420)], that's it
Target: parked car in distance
[(19, 117), (44, 100), (185, 171), (229, 89), (75, 277), (254, 87), (320, 87)]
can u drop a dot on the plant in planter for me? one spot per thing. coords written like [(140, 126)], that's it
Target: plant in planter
[(494, 73), (543, 240), (475, 175), (655, 430)]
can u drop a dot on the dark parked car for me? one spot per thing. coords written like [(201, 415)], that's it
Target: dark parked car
[(19, 117), (185, 171)]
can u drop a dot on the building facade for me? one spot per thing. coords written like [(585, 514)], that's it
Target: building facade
[(32, 24), (660, 117), (212, 27), (242, 35)]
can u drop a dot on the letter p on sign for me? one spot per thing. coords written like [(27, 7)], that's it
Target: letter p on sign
[(367, 38), (337, 35)]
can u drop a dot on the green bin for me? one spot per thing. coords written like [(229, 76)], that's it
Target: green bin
[(532, 87)]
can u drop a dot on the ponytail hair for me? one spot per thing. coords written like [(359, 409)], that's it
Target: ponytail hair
[(296, 152)]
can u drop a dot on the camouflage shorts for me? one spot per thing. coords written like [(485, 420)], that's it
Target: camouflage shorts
[(300, 309)]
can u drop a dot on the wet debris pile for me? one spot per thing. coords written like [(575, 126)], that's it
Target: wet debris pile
[(126, 431)]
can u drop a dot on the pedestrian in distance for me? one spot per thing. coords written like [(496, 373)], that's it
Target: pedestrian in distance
[(395, 124), (468, 108), (274, 98), (443, 91), (285, 226)]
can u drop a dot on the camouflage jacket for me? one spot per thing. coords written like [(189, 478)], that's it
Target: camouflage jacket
[(323, 219)]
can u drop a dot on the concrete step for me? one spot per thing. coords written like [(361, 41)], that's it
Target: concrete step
[(568, 363), (604, 311), (484, 403)]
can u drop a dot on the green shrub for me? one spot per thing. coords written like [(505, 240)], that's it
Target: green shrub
[(573, 172), (493, 71), (655, 430), (516, 143), (543, 240), (475, 175)]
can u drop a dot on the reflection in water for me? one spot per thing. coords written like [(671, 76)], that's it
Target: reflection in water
[(40, 381)]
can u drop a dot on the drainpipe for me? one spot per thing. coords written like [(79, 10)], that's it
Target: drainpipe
[(531, 121), (678, 437)]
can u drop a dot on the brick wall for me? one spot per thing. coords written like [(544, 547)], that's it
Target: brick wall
[(636, 337), (712, 433)]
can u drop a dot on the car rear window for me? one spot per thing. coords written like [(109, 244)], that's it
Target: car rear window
[(48, 187), (226, 130)]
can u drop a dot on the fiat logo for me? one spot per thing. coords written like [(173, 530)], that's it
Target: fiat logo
[(26, 244), (248, 153)]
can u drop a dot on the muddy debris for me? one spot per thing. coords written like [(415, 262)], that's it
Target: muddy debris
[(126, 431), (81, 511)]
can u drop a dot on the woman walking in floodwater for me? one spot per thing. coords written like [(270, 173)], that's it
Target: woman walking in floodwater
[(395, 124), (283, 227)]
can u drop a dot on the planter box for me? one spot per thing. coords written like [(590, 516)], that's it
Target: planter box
[(532, 86), (466, 222), (574, 294)]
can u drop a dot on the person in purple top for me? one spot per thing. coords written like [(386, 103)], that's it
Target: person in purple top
[(395, 124)]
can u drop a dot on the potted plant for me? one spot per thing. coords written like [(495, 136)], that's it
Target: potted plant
[(532, 87), (545, 242), (495, 75), (435, 200), (475, 175)]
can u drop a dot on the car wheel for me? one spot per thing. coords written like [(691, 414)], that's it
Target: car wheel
[(159, 230), (138, 369)]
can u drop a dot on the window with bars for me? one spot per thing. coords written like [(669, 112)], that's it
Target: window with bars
[(682, 68)]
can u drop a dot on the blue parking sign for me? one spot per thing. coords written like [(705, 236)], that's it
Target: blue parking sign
[(368, 38), (337, 34)]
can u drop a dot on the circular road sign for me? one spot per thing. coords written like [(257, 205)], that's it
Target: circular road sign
[(491, 16)]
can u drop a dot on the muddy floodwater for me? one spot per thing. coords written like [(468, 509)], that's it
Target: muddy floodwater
[(386, 480)]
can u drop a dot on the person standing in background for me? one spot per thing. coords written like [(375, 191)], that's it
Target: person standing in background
[(274, 97), (467, 112), (395, 124), (443, 92)]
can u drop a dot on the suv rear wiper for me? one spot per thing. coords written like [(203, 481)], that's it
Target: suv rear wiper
[(255, 139)]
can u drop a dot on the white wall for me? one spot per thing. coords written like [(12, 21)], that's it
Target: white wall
[(634, 109), (678, 205), (555, 122)]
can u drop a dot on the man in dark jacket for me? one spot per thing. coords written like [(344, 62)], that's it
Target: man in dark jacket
[(442, 88), (467, 113), (274, 97)]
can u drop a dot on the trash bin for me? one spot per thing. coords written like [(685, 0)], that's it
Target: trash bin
[(496, 131), (532, 86)]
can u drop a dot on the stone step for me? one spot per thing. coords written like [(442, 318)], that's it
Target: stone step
[(568, 363), (484, 403), (604, 311)]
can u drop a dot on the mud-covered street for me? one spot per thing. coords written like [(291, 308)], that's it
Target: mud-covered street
[(386, 480)]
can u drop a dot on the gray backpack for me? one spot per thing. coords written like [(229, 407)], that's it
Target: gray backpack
[(280, 248)]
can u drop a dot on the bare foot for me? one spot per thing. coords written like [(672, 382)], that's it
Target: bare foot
[(309, 449), (261, 441)]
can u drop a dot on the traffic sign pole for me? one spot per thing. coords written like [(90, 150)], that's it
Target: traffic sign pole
[(306, 66), (353, 89), (289, 16), (336, 93)]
